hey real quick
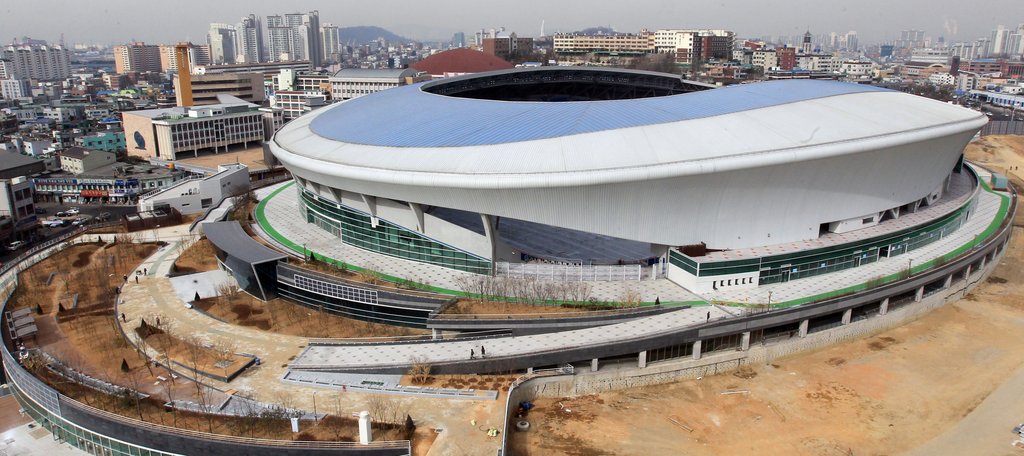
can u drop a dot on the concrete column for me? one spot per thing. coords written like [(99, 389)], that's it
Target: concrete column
[(529, 370), (365, 436), (491, 232), (847, 316), (435, 334), (802, 332), (593, 365), (919, 294), (641, 360), (967, 273), (984, 260), (745, 341), (696, 350), (949, 281), (654, 271), (884, 307)]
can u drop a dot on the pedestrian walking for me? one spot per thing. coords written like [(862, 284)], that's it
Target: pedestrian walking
[(126, 277), (145, 271), (709, 315), (136, 279), (123, 318), (472, 355), (158, 321), (482, 352)]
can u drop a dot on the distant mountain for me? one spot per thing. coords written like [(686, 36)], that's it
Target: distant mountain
[(596, 31), (366, 33)]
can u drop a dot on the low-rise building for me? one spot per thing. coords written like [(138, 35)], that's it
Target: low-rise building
[(77, 160), (199, 193), (207, 87), (355, 82), (119, 183), (110, 141), (17, 209), (942, 79), (14, 164), (169, 132)]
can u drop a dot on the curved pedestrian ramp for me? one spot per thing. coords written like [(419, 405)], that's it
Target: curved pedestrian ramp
[(382, 385)]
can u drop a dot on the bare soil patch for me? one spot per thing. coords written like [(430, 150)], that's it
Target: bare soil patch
[(83, 336), (197, 257), (283, 317), (882, 395)]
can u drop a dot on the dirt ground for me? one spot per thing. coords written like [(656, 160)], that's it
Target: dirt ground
[(877, 396), (251, 157), (282, 317), (198, 257)]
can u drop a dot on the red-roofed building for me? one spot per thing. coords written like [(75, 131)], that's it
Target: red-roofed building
[(458, 62)]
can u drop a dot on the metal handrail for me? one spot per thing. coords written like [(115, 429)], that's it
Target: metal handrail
[(540, 315), (227, 438)]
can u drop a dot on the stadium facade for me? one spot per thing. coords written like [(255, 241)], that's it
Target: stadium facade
[(592, 166)]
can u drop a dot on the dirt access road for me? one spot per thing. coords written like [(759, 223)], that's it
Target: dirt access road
[(951, 382)]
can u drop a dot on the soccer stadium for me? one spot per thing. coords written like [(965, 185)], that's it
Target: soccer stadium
[(621, 174)]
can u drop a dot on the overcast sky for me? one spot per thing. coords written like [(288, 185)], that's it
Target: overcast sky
[(117, 21)]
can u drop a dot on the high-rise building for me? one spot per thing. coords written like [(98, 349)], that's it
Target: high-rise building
[(805, 45), (1000, 38), (852, 44), (279, 39), (331, 43), (138, 57), (458, 40), (221, 39), (197, 55), (249, 40), (36, 61), (295, 36), (311, 38), (911, 39)]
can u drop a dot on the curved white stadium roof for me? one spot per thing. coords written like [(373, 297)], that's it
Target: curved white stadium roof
[(407, 129), (746, 165)]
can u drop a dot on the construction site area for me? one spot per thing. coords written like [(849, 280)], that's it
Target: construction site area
[(948, 383)]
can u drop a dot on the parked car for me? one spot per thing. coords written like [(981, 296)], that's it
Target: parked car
[(73, 211), (40, 210), (103, 217), (15, 245), (52, 222)]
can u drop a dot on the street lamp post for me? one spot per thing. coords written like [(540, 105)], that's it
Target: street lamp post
[(314, 408)]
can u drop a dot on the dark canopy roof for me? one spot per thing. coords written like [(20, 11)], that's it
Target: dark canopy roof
[(230, 238)]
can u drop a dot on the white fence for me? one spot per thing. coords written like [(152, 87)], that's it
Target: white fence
[(569, 272)]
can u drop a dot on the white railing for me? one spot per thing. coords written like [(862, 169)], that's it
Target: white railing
[(569, 272)]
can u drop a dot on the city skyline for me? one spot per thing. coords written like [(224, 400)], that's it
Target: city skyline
[(875, 21)]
